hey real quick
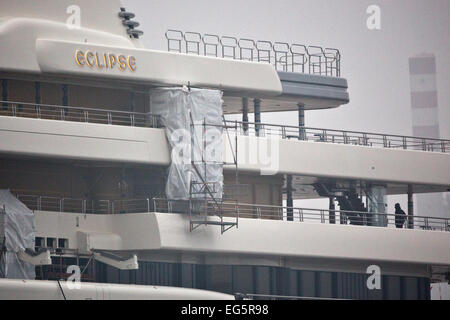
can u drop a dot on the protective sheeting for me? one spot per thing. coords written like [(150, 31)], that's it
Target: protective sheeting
[(207, 128), (17, 230), (193, 124), (172, 106), (377, 204)]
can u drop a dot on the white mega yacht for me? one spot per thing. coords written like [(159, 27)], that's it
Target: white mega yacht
[(118, 160)]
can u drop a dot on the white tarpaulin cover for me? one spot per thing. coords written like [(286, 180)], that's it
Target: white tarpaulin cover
[(17, 233), (179, 108)]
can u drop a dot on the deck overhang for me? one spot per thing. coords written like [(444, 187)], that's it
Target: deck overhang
[(164, 236), (103, 59), (311, 161)]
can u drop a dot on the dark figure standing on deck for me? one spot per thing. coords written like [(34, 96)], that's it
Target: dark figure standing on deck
[(400, 216)]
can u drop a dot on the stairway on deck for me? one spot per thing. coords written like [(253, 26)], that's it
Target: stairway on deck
[(348, 201)]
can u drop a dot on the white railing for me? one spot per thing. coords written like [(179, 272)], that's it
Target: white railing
[(343, 137), (283, 56)]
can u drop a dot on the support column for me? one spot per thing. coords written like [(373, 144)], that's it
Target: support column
[(377, 205), (245, 115), (410, 208), (289, 199), (65, 95), (132, 101), (5, 93), (37, 92), (257, 111), (301, 122), (331, 213), (65, 98)]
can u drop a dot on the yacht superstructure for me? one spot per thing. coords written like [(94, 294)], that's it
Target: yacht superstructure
[(85, 147)]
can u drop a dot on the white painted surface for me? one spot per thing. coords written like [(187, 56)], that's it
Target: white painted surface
[(425, 117), (259, 238), (49, 290), (440, 291), (40, 51), (422, 82), (87, 141), (164, 68), (21, 55)]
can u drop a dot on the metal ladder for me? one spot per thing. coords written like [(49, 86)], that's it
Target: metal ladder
[(203, 203)]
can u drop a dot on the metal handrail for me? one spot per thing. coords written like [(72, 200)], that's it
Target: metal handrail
[(192, 38), (206, 39), (79, 114), (282, 55), (318, 215), (345, 136), (244, 210), (129, 118), (178, 40)]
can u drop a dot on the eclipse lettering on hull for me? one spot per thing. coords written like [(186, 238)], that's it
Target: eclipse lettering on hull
[(100, 61)]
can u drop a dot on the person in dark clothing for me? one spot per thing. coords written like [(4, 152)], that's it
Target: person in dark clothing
[(400, 216)]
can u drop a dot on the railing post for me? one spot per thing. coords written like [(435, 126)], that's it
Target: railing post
[(61, 204), (283, 132), (385, 143), (109, 116), (322, 216), (344, 134), (442, 146), (14, 111), (289, 199), (447, 226), (39, 203), (86, 116), (405, 146), (148, 205), (257, 114), (424, 145), (83, 205)]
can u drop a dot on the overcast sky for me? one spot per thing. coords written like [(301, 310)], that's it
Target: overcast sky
[(375, 62)]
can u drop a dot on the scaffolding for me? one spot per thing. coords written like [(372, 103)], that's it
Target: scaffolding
[(207, 203)]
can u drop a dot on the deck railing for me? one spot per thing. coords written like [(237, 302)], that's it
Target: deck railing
[(343, 137), (77, 114), (251, 211), (283, 56), (126, 118), (362, 218), (78, 205)]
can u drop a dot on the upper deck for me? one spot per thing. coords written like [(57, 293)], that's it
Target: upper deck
[(113, 136), (283, 75)]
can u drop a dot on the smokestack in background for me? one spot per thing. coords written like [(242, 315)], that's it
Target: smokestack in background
[(424, 98), (425, 123)]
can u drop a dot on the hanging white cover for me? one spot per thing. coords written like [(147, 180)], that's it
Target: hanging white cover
[(17, 230), (178, 109)]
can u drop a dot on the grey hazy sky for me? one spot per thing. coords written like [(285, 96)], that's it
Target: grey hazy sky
[(375, 63)]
